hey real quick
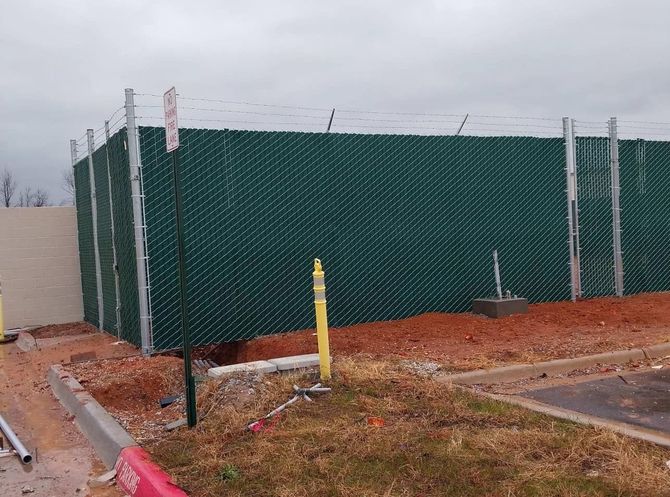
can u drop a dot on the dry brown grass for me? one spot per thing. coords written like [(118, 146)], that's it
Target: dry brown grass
[(437, 441)]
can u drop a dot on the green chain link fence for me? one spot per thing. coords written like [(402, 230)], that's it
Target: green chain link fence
[(645, 215), (105, 249), (114, 156), (85, 236), (404, 225), (124, 237), (594, 185)]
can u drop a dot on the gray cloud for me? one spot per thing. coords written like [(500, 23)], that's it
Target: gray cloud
[(65, 64)]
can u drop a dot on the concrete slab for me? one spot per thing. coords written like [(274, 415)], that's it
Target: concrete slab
[(245, 367), (498, 308), (295, 362), (639, 399)]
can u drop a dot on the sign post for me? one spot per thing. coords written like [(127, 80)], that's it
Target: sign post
[(172, 143)]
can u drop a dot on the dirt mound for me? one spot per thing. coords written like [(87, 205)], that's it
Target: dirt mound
[(63, 330), (135, 383)]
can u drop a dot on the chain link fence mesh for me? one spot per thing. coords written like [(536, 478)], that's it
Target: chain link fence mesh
[(645, 215), (85, 237), (105, 249), (114, 156), (404, 225), (594, 193), (124, 237)]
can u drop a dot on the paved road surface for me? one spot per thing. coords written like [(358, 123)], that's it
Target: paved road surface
[(641, 399)]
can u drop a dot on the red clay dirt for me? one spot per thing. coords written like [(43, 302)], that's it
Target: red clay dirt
[(63, 330), (65, 459), (468, 341), (130, 388), (112, 383)]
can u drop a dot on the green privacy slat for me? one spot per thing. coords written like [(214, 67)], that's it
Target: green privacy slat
[(105, 239), (645, 215), (124, 237), (404, 225), (594, 183), (86, 247)]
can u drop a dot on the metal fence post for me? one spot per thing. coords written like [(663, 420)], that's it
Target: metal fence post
[(94, 215), (570, 194), (73, 155), (73, 151), (139, 223), (117, 293), (616, 210), (575, 215)]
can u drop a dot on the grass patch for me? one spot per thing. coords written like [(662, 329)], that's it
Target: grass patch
[(436, 441)]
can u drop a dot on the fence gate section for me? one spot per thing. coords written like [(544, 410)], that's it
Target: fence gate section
[(594, 191)]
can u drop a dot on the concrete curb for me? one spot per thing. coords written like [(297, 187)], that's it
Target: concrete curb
[(138, 476), (584, 419), (105, 434), (517, 372), (27, 342), (276, 365), (136, 473)]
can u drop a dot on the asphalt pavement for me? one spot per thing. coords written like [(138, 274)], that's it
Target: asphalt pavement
[(640, 399)]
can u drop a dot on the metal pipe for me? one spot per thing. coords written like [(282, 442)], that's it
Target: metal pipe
[(26, 457), (616, 209), (139, 224), (496, 269), (462, 124), (73, 151), (94, 215), (575, 187), (571, 198), (330, 123)]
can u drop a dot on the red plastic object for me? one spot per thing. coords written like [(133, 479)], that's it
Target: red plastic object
[(138, 476), (375, 421)]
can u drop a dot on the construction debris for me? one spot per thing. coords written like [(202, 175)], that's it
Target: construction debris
[(166, 401), (299, 393), (175, 424), (89, 355), (103, 480)]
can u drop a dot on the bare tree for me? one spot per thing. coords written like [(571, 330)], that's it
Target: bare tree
[(7, 187), (68, 184), (26, 197), (41, 198)]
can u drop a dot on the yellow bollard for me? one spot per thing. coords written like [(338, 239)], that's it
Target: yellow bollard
[(321, 319)]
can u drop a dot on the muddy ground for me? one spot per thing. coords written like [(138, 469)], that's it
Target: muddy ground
[(63, 459)]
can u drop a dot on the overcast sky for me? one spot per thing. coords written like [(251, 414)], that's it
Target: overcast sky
[(64, 64)]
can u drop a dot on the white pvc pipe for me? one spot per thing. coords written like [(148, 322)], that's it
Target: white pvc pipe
[(496, 269), (23, 453)]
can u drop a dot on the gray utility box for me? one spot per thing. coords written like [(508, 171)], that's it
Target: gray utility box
[(497, 308)]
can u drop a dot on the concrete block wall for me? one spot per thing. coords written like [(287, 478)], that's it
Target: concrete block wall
[(39, 266)]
